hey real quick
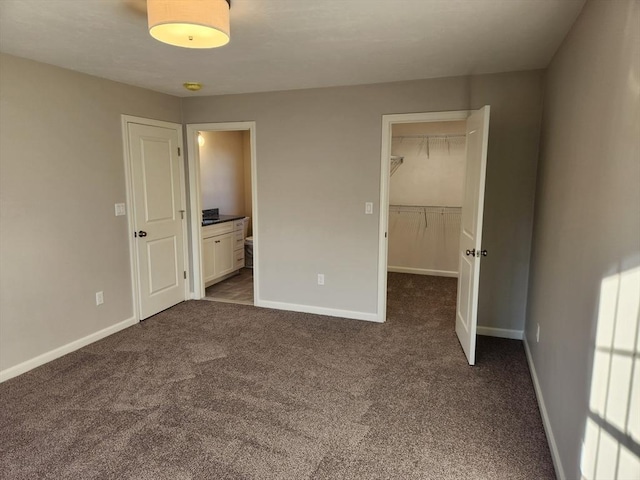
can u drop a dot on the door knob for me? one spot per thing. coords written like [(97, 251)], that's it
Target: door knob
[(142, 233), (484, 253), (471, 253)]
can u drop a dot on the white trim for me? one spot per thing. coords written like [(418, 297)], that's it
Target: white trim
[(24, 367), (331, 312), (448, 116), (385, 155), (500, 332), (133, 252), (195, 195), (133, 264), (423, 271), (553, 446)]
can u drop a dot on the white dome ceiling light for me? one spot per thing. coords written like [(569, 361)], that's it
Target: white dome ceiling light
[(189, 23)]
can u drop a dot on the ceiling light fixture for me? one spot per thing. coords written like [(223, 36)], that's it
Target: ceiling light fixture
[(189, 23)]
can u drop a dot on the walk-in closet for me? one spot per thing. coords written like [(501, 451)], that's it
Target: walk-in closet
[(425, 197)]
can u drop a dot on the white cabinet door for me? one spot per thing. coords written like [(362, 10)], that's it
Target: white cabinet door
[(471, 231), (223, 254), (208, 259)]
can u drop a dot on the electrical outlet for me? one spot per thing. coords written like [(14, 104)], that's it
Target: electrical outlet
[(321, 279), (99, 298), (368, 208), (538, 333)]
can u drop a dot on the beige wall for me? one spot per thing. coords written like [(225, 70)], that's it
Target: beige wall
[(222, 176), (61, 172), (318, 154), (586, 248)]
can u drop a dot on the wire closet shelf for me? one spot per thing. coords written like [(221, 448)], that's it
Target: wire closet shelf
[(433, 143), (423, 215)]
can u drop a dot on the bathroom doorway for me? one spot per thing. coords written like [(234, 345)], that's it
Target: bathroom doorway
[(223, 211)]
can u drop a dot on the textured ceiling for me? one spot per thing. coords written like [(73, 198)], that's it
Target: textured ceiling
[(291, 44)]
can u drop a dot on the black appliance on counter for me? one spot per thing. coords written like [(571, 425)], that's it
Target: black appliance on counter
[(210, 215)]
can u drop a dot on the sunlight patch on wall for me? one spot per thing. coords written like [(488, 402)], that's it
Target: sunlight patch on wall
[(611, 445)]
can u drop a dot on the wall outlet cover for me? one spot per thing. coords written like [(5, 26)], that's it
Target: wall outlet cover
[(321, 279), (99, 298)]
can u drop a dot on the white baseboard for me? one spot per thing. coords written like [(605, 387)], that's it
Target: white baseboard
[(553, 446), (24, 367), (500, 332), (423, 271), (332, 312)]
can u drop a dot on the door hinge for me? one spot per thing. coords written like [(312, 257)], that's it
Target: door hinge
[(185, 274), (178, 151), (182, 214)]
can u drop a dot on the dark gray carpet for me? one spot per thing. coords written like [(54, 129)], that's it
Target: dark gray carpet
[(225, 391)]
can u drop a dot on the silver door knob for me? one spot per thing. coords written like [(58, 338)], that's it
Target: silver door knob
[(142, 233), (471, 253)]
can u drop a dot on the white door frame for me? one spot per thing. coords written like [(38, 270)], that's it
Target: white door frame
[(193, 156), (385, 159), (133, 251)]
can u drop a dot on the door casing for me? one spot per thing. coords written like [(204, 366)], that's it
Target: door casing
[(133, 251)]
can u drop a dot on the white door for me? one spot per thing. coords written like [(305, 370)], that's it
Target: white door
[(157, 212), (471, 231)]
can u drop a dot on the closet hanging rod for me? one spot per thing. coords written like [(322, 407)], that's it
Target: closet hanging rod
[(397, 205), (444, 135)]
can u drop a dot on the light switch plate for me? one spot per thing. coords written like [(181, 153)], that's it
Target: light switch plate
[(368, 208), (120, 209)]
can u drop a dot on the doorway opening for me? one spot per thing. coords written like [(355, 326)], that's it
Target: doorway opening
[(431, 209), (223, 211), (425, 197)]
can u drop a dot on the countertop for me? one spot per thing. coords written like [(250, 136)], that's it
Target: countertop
[(222, 219)]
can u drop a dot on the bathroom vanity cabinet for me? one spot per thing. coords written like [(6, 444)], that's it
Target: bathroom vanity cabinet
[(222, 250)]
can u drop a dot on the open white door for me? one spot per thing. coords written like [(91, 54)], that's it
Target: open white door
[(157, 216), (471, 231)]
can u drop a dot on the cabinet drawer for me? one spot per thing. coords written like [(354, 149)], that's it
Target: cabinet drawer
[(218, 229), (239, 259), (240, 234), (238, 225), (239, 244)]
